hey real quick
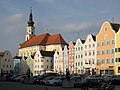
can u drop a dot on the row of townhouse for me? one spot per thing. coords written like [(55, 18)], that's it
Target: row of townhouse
[(98, 54), (79, 57)]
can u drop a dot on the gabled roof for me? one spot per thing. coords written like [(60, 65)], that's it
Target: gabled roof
[(36, 40), (44, 39), (56, 39), (115, 27), (2, 54), (47, 53)]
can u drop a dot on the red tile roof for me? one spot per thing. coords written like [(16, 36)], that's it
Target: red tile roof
[(44, 39), (56, 39), (2, 53), (36, 40)]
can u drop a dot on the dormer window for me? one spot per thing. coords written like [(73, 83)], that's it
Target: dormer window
[(105, 29)]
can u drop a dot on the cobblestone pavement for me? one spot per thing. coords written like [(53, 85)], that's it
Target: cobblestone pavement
[(19, 86)]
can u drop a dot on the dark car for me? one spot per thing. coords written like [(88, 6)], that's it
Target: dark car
[(88, 82), (44, 81), (76, 79), (115, 80), (37, 80)]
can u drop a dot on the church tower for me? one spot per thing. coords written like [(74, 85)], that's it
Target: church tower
[(30, 28)]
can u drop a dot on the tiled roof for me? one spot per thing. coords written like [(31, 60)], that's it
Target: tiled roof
[(2, 53), (115, 26), (44, 39), (56, 39), (36, 40), (47, 53)]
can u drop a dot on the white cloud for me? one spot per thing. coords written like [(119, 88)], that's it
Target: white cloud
[(12, 23), (45, 1), (77, 26)]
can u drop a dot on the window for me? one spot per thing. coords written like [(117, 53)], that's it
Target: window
[(98, 61), (98, 52), (108, 42), (107, 61), (85, 46), (89, 53), (78, 48), (113, 42), (112, 51), (78, 63), (107, 51), (118, 69), (89, 46), (85, 53), (98, 44), (102, 43), (118, 49), (105, 28), (102, 52), (78, 56), (105, 36), (81, 48), (41, 60), (112, 61), (42, 66), (103, 61), (5, 59), (81, 56), (93, 45), (93, 52)]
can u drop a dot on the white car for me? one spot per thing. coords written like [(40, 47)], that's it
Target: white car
[(56, 81)]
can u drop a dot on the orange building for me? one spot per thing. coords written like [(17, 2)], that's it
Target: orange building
[(106, 48), (71, 56)]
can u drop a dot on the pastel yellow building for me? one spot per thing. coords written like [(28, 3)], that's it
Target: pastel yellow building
[(117, 50)]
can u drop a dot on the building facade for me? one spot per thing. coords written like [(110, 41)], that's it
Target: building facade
[(78, 63), (6, 62), (71, 57), (90, 54), (106, 49)]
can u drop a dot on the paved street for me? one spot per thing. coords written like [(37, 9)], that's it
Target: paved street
[(19, 86)]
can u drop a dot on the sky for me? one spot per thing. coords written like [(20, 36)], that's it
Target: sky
[(73, 19)]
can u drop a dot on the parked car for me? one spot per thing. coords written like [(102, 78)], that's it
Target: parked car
[(18, 78), (29, 80), (44, 81), (76, 79), (37, 80), (89, 82), (115, 80), (56, 81)]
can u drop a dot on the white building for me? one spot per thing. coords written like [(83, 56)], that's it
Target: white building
[(90, 53), (65, 59), (78, 60)]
